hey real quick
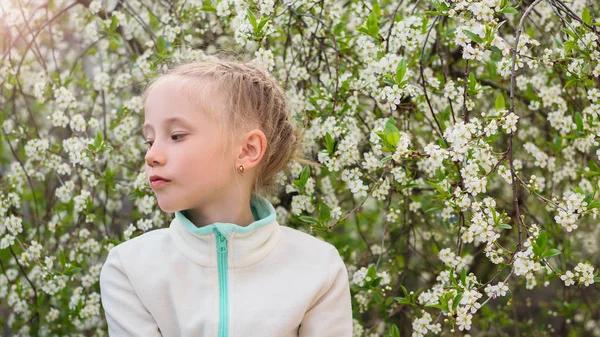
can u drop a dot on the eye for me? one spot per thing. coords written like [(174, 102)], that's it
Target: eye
[(174, 137)]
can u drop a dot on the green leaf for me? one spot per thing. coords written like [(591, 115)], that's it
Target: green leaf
[(594, 204), (98, 139), (589, 197), (402, 300), (389, 301), (472, 83), (363, 30), (392, 134), (557, 145), (305, 175), (541, 241), (445, 115), (505, 226), (371, 272), (500, 105), (394, 331), (62, 258), (72, 271), (161, 44), (473, 36), (579, 121), (569, 32), (440, 6), (115, 42), (261, 25), (489, 35), (376, 8), (329, 143), (509, 10), (92, 51), (40, 298), (400, 71), (415, 295), (404, 290), (114, 242), (373, 25), (153, 20), (388, 81), (431, 209), (208, 8), (437, 306), (385, 159), (569, 46), (387, 146), (252, 19), (113, 24), (551, 252), (324, 212), (435, 13), (586, 16), (109, 178), (308, 219), (457, 300)]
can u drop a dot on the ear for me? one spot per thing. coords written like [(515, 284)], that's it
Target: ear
[(253, 148)]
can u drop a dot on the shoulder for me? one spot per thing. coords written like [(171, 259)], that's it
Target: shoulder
[(305, 239), (147, 246), (129, 264), (303, 244), (313, 256), (151, 238)]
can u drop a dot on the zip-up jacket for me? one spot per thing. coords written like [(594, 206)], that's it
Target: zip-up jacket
[(226, 280)]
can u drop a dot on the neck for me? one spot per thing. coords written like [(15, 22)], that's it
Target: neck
[(234, 209)]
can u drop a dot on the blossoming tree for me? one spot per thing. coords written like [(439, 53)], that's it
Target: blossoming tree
[(457, 143)]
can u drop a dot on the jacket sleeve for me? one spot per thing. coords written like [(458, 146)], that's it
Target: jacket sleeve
[(125, 314), (331, 315)]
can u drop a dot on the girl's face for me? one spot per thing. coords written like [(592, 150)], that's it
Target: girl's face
[(185, 146)]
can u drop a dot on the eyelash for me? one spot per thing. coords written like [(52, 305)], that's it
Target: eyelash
[(149, 142)]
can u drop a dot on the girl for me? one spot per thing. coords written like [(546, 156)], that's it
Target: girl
[(218, 132)]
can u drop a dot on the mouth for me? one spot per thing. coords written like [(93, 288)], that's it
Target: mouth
[(158, 183)]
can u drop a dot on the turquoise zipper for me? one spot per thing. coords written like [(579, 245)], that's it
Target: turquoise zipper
[(223, 284)]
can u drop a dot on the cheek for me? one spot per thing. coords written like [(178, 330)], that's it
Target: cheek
[(203, 157), (209, 150)]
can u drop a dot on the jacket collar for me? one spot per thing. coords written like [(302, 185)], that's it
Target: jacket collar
[(245, 245)]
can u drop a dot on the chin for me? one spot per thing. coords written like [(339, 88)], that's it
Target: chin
[(167, 207)]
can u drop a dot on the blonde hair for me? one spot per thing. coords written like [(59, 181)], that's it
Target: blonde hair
[(252, 99)]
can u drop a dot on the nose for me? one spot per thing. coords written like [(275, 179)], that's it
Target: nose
[(155, 156)]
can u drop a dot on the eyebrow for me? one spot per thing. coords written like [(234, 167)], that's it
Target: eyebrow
[(170, 120)]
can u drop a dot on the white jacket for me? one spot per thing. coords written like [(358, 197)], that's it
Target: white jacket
[(225, 280)]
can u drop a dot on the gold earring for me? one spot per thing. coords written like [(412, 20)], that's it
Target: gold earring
[(241, 169)]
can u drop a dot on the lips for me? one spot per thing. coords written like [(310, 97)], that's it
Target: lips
[(157, 181), (157, 177)]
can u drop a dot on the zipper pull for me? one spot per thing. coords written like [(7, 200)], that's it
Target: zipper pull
[(221, 241)]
